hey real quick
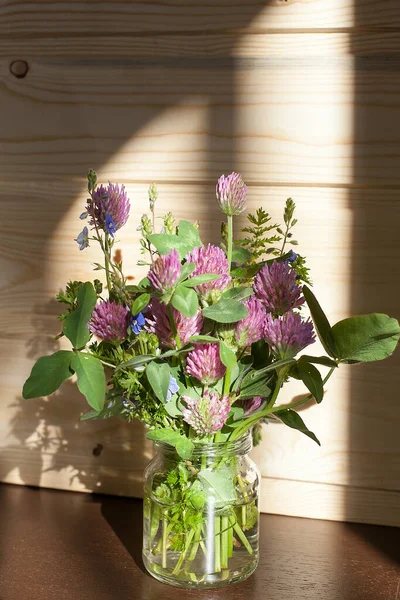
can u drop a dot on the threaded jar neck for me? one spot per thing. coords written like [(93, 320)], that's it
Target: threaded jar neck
[(238, 447)]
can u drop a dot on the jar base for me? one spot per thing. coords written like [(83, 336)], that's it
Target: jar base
[(216, 580)]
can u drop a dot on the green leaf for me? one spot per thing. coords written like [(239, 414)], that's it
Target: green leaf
[(246, 272), (238, 293), (226, 311), (318, 360), (187, 239), (75, 326), (218, 484), (199, 279), (190, 234), (292, 419), (311, 378), (259, 373), (365, 338), (195, 339), (183, 445), (91, 379), (187, 269), (142, 359), (321, 322), (164, 243), (185, 301), (254, 386), (261, 354), (47, 374), (167, 436), (228, 357), (173, 407), (241, 255), (136, 361), (140, 303), (158, 375), (107, 412)]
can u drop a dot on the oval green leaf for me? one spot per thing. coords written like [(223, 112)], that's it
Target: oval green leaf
[(321, 322), (365, 338), (158, 376), (228, 357), (47, 374), (226, 311), (76, 324), (185, 300), (140, 303), (292, 419), (311, 378), (91, 379)]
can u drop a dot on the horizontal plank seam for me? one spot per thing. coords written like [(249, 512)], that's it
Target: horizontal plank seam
[(208, 182), (365, 30), (334, 485)]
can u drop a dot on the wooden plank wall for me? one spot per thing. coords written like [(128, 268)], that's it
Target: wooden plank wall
[(301, 96)]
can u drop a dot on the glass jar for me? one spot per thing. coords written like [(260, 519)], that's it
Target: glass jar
[(201, 515)]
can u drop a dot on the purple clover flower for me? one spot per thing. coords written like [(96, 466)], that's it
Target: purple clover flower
[(276, 287), (204, 363), (83, 239), (165, 272), (157, 322), (109, 322), (251, 329), (137, 323), (112, 201), (231, 193), (210, 259), (173, 387), (251, 405), (288, 335), (207, 414)]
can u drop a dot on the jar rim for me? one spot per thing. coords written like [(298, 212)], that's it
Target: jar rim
[(242, 445)]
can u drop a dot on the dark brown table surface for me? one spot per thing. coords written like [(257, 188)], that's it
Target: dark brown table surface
[(56, 545)]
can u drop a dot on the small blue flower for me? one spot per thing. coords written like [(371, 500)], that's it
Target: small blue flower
[(292, 257), (110, 225), (137, 323), (172, 388), (83, 215), (83, 239)]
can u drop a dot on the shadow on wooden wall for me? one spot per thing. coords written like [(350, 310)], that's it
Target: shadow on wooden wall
[(77, 107), (374, 411)]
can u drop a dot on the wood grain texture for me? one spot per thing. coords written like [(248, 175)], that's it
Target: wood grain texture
[(42, 442), (281, 119), (71, 545), (205, 45), (94, 18), (302, 98)]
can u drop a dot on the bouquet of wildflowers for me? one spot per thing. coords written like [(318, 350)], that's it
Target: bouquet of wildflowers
[(198, 351)]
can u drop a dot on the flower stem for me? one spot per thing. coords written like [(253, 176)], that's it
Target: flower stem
[(224, 541), (227, 382), (196, 542), (217, 545), (230, 539), (184, 552), (230, 241), (270, 409), (245, 497), (274, 396), (173, 327), (164, 542), (242, 537)]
